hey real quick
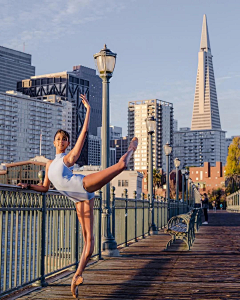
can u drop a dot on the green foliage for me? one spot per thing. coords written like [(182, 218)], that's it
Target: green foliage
[(232, 168), (217, 195), (157, 180)]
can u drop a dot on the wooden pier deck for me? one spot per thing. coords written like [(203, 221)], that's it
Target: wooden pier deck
[(211, 270)]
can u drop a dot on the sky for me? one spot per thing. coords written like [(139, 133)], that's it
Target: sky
[(156, 41)]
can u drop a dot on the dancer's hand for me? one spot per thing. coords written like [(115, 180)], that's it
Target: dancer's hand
[(85, 101), (23, 185)]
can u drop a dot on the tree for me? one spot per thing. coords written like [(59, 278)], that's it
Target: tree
[(157, 180), (232, 168), (218, 195)]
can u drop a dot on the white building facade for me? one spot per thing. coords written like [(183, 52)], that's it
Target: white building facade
[(162, 111), (23, 122), (130, 180)]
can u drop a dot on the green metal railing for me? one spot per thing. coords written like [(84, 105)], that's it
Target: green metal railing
[(233, 202), (40, 234)]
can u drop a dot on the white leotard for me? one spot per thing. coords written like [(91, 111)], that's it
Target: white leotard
[(67, 183)]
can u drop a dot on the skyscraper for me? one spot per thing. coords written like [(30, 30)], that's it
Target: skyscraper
[(205, 142), (14, 66), (205, 109), (27, 122), (68, 86), (162, 111)]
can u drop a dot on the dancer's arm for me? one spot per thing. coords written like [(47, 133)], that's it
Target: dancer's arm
[(73, 155), (39, 188)]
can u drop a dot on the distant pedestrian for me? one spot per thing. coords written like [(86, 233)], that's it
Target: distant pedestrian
[(221, 206), (214, 206), (205, 208)]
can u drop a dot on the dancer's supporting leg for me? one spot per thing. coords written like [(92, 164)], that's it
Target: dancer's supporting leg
[(85, 216), (96, 181)]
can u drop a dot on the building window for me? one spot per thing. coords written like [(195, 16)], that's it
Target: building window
[(119, 182), (124, 182)]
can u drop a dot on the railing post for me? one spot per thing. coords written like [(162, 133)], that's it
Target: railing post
[(73, 241), (41, 244), (77, 242), (149, 212), (135, 197), (142, 196), (164, 213), (126, 217), (113, 211), (100, 227), (43, 240)]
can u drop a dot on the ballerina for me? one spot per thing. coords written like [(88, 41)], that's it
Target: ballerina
[(77, 187)]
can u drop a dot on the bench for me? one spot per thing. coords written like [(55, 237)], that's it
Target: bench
[(184, 227)]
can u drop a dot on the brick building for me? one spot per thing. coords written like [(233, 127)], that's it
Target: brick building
[(208, 178)]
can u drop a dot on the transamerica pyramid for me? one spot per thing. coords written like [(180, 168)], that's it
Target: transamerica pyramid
[(205, 109)]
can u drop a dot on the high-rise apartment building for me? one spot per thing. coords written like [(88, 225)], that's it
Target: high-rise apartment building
[(94, 93), (162, 111), (175, 125), (14, 66), (205, 142), (94, 150), (194, 147), (24, 121), (115, 132), (121, 146), (69, 86)]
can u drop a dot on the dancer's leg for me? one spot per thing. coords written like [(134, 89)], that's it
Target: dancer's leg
[(96, 181), (85, 216)]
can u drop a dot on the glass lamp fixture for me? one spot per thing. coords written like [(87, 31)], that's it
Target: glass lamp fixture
[(177, 162), (105, 61), (167, 149), (183, 171), (151, 124)]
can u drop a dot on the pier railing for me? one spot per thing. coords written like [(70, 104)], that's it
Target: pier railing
[(40, 234), (233, 202)]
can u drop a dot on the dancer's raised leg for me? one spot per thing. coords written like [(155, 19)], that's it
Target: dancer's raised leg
[(96, 181), (85, 216)]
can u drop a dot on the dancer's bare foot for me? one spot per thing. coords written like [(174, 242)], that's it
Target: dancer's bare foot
[(124, 160)]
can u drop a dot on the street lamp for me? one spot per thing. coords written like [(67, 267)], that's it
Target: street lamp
[(151, 127), (105, 61), (183, 171), (187, 177), (193, 194), (177, 163), (168, 151)]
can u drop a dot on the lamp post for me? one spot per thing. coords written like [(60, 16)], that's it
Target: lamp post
[(193, 194), (187, 177), (177, 163), (105, 61), (183, 171), (151, 127), (168, 151)]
